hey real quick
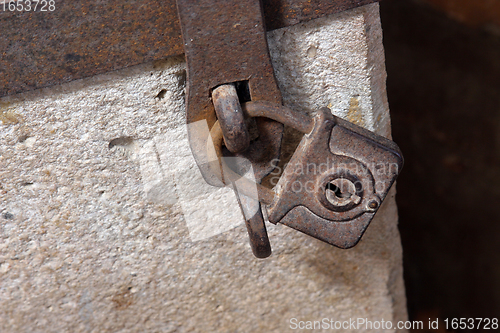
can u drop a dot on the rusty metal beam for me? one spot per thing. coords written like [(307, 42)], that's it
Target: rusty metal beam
[(83, 38)]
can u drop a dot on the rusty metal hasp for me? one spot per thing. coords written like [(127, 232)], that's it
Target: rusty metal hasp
[(338, 176)]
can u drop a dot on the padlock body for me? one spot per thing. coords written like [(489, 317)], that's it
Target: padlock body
[(335, 181)]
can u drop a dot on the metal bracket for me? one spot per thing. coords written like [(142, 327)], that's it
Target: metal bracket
[(225, 42)]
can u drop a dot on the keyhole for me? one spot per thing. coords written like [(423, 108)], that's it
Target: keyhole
[(341, 192), (337, 191)]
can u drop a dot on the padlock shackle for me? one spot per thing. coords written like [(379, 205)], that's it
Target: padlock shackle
[(274, 111), (280, 113), (277, 112), (229, 177)]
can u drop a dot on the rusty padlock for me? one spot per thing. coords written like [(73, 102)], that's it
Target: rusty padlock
[(335, 181)]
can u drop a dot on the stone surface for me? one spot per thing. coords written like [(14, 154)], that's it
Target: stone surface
[(106, 225)]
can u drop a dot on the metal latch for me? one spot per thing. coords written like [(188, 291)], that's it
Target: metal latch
[(346, 170)]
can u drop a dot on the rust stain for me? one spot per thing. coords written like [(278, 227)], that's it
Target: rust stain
[(7, 116), (123, 299), (354, 115)]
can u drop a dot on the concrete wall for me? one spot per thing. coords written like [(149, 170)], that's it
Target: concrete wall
[(107, 226)]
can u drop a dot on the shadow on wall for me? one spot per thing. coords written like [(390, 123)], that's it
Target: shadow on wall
[(444, 93)]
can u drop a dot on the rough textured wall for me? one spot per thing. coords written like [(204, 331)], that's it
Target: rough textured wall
[(101, 204)]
